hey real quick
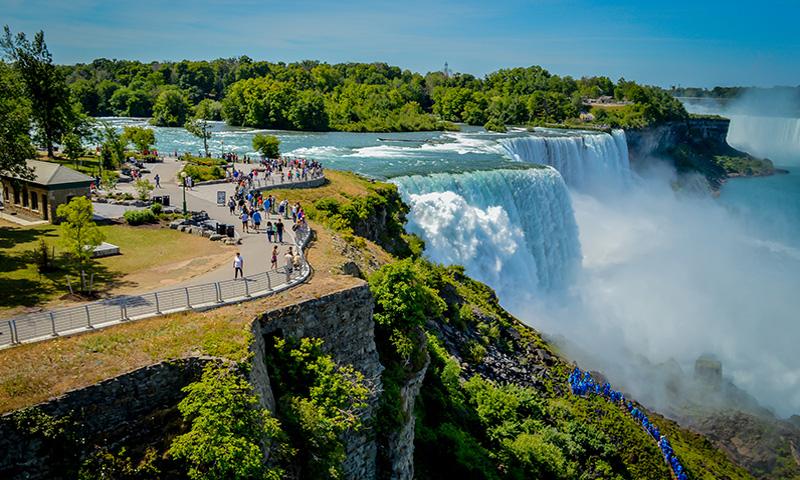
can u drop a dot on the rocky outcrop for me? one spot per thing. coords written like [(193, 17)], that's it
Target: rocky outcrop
[(400, 443), (344, 321), (646, 142)]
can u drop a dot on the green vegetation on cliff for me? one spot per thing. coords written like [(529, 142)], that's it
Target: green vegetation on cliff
[(494, 402)]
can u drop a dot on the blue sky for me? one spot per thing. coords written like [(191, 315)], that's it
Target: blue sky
[(689, 43)]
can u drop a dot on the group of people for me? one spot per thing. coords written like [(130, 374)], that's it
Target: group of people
[(253, 207), (583, 384)]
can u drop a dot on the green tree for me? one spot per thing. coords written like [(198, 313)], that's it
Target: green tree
[(199, 126), (112, 149), (227, 429), (15, 123), (73, 147), (143, 138), (267, 145), (78, 234), (143, 188), (46, 87), (171, 108)]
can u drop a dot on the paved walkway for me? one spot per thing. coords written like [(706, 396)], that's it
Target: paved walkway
[(255, 249), (213, 288)]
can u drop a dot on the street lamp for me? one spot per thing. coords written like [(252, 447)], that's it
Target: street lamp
[(183, 177)]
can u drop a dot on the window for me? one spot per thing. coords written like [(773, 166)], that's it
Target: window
[(16, 196), (34, 201), (25, 198)]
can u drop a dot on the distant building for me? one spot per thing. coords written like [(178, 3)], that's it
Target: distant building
[(39, 196)]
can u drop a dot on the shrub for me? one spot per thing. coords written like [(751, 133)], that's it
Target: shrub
[(156, 208), (143, 188), (202, 173), (138, 217), (227, 428)]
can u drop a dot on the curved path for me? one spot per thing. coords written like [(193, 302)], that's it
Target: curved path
[(211, 289)]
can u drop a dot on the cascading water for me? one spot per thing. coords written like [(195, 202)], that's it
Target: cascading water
[(587, 161), (777, 138), (512, 229)]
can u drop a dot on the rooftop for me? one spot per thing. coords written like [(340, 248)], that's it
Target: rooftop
[(49, 173)]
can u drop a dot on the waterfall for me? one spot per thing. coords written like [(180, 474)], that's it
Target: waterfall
[(776, 138), (512, 229), (586, 161)]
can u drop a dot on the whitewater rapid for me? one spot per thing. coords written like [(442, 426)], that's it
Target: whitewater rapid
[(586, 161), (512, 229)]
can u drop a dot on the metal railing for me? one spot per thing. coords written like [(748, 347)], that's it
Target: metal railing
[(112, 311)]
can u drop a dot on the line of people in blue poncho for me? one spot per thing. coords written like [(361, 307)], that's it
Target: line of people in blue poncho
[(582, 383)]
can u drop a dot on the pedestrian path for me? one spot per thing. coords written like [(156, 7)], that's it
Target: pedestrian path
[(210, 290), (583, 384)]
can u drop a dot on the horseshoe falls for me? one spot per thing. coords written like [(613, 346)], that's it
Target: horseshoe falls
[(594, 161), (777, 138), (512, 229)]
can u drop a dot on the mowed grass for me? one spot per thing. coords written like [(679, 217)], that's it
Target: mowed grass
[(33, 373), (36, 372), (143, 250)]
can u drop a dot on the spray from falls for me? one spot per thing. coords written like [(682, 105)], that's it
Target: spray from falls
[(587, 161), (512, 229)]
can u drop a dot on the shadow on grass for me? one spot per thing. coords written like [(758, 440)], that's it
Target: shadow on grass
[(40, 288), (12, 236)]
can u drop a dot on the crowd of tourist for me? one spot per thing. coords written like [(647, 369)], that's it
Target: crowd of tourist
[(278, 170), (255, 208), (583, 384)]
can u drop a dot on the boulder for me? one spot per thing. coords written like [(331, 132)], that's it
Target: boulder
[(214, 237)]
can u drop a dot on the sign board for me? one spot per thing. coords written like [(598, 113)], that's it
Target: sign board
[(221, 197)]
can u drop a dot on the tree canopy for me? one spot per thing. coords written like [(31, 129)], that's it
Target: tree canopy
[(45, 86)]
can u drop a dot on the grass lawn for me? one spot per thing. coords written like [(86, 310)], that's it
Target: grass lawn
[(152, 257), (35, 372)]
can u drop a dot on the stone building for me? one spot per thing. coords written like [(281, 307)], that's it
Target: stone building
[(50, 185)]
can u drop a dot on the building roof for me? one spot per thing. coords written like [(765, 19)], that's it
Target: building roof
[(49, 173)]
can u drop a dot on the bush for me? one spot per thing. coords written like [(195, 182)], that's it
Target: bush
[(138, 217), (156, 208), (203, 173), (143, 188)]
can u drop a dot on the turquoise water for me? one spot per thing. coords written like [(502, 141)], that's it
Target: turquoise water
[(365, 153), (768, 206)]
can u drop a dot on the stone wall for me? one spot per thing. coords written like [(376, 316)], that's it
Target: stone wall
[(344, 321), (129, 409)]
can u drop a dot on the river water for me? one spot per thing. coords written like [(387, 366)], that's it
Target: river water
[(613, 262)]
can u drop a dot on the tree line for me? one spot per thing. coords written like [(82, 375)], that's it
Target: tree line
[(312, 95), (46, 104)]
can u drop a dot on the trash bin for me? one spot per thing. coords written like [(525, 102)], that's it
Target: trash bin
[(165, 199), (229, 230), (222, 229), (158, 199)]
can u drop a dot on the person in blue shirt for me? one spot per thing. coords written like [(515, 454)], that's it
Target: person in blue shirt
[(257, 220)]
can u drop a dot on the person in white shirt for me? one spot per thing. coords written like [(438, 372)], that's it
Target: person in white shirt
[(238, 263)]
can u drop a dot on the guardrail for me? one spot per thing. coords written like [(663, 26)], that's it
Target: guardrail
[(121, 309)]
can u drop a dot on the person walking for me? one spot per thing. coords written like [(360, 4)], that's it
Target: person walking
[(245, 217), (270, 231), (279, 230), (289, 263), (274, 263), (232, 206), (257, 220), (238, 265), (158, 181)]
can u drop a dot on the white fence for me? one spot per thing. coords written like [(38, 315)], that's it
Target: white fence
[(45, 325)]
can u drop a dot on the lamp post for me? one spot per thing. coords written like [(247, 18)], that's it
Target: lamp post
[(183, 177)]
